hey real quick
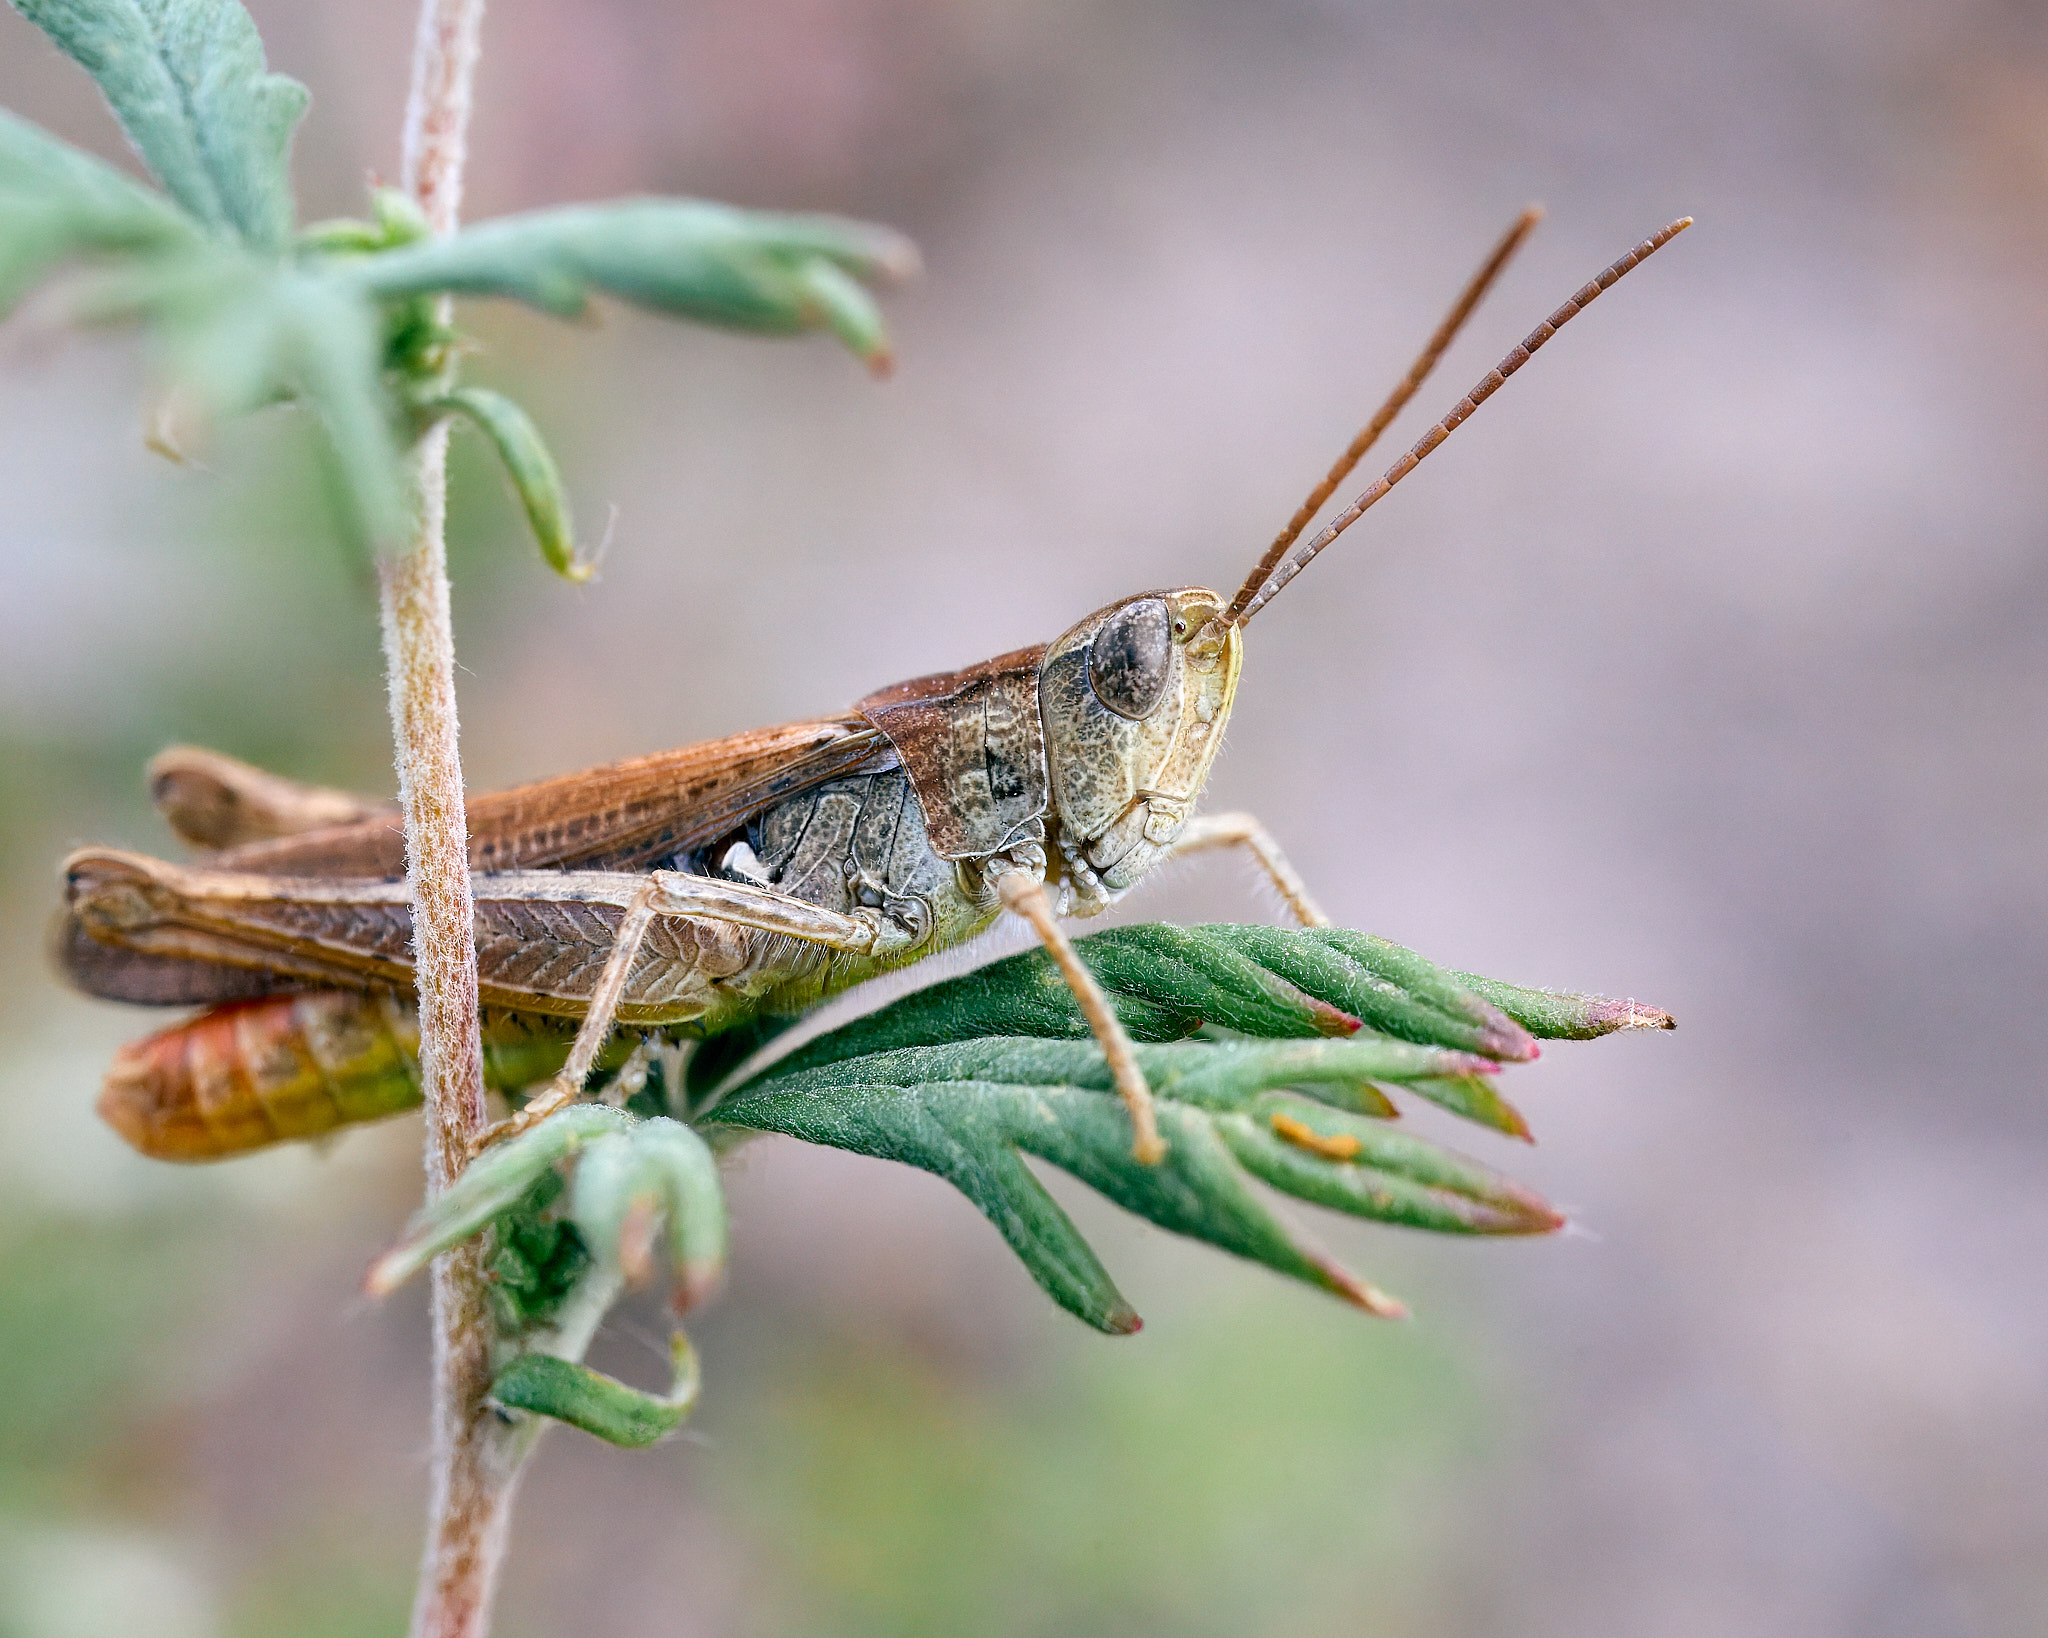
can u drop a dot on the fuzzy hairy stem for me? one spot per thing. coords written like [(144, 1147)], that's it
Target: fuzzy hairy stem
[(474, 1465)]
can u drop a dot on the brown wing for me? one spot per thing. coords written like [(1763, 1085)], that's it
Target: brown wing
[(624, 816), (143, 930)]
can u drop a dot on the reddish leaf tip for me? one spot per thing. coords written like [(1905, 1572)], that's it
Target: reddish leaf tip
[(695, 1284), (1630, 1015), (1359, 1293), (383, 1277), (1331, 1020)]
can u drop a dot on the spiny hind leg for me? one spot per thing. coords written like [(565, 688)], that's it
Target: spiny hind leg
[(674, 893), (1024, 894), (1241, 830)]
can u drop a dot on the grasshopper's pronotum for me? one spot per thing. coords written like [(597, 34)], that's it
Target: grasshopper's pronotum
[(691, 890)]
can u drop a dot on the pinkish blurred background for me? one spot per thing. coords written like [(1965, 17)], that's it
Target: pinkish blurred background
[(1707, 665)]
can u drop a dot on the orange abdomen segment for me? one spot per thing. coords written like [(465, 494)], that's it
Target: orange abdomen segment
[(252, 1073)]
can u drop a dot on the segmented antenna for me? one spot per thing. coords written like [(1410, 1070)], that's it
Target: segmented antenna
[(1383, 417), (1459, 412)]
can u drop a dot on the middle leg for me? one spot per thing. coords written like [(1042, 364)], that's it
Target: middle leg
[(1242, 830)]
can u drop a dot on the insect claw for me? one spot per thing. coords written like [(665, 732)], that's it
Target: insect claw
[(558, 1096)]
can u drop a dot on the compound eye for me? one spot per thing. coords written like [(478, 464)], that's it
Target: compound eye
[(1130, 659)]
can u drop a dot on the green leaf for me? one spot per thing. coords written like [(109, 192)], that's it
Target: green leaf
[(1559, 1015), (968, 1077), (57, 201), (747, 270), (241, 331), (1165, 982), (328, 342), (965, 1110), (535, 477), (598, 1404), (188, 82), (1391, 988)]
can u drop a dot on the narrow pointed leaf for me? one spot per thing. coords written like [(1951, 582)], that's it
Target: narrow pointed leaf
[(1207, 1074), (600, 1405), (329, 341), (1191, 969), (57, 202), (602, 1191), (1358, 1166), (842, 305), (746, 270), (1559, 1015), (1392, 989), (693, 1204), (535, 477), (1474, 1098), (188, 82)]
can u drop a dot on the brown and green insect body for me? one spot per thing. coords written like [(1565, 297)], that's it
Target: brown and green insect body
[(696, 890)]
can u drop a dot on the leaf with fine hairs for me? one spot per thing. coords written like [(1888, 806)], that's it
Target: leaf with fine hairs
[(968, 1077), (188, 82), (542, 1384), (240, 332), (745, 270), (530, 465), (58, 202)]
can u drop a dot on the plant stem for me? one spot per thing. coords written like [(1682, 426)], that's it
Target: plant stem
[(474, 1464)]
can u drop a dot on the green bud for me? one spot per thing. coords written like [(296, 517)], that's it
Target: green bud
[(495, 1182), (656, 1178)]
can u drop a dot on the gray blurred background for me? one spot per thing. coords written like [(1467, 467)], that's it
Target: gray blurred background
[(1703, 666)]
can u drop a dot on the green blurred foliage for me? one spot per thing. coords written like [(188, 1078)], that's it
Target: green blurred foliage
[(1221, 1491)]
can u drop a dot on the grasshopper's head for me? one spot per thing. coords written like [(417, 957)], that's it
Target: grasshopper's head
[(1134, 708), (1134, 698)]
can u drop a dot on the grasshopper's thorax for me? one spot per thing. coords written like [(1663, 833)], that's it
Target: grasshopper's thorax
[(1133, 717)]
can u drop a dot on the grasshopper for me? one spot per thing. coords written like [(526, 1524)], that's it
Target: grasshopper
[(693, 890)]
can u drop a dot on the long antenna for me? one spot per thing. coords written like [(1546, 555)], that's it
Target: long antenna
[(1418, 372), (1459, 412)]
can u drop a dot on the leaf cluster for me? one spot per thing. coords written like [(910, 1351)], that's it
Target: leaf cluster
[(1275, 1057), (345, 318), (1298, 1038)]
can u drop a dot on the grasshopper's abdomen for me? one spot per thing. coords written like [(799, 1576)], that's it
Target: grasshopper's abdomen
[(252, 1073)]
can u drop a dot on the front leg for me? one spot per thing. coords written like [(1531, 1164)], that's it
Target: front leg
[(1242, 830), (1023, 892)]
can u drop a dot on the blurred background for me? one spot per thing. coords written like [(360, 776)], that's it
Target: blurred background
[(1703, 667)]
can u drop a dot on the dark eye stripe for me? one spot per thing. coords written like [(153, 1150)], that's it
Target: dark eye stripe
[(1130, 659)]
